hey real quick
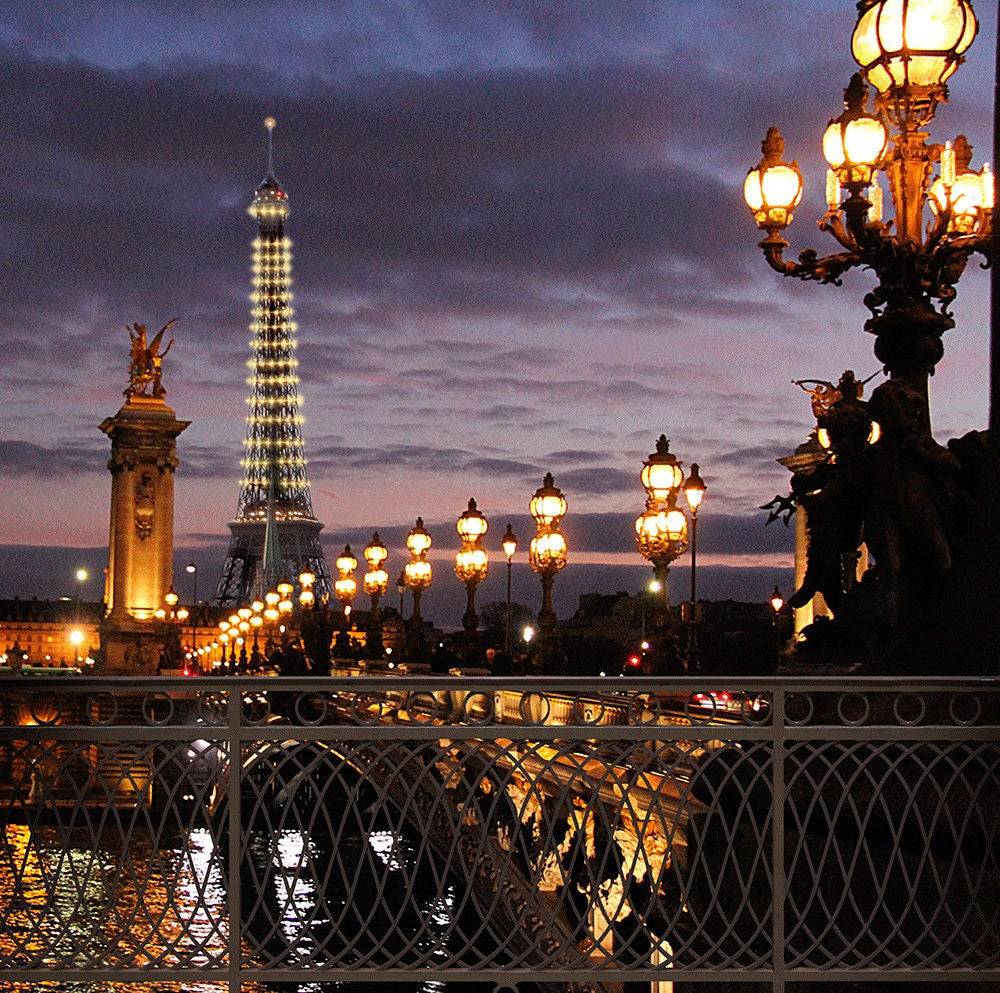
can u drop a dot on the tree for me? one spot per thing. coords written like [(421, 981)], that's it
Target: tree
[(494, 622)]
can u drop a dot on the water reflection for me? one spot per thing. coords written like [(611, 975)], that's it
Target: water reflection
[(66, 902)]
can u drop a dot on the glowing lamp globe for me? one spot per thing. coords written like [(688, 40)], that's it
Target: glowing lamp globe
[(285, 606), (346, 562), (547, 552), (661, 534), (471, 525), (966, 198), (271, 598), (548, 505), (170, 598), (307, 597), (471, 564), (307, 578), (694, 488), (509, 543), (418, 574), (271, 614), (661, 472), (256, 607), (418, 541), (855, 142), (345, 588), (912, 43), (182, 614), (376, 582), (773, 189), (375, 552), (284, 590)]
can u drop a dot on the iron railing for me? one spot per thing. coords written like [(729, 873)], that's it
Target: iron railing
[(514, 832)]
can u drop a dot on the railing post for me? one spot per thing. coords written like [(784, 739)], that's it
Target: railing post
[(234, 819), (778, 840)]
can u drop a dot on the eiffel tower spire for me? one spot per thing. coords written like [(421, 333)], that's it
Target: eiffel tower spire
[(274, 535)]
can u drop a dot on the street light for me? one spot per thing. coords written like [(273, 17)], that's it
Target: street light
[(661, 530), (192, 570), (307, 598), (509, 545), (472, 564), (906, 51), (777, 602), (547, 555), (694, 492), (81, 575), (417, 575), (345, 588), (376, 582)]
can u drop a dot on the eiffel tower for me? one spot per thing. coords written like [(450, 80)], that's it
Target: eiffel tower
[(274, 535)]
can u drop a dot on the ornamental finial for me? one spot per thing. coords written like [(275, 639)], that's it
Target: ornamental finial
[(772, 147), (270, 123)]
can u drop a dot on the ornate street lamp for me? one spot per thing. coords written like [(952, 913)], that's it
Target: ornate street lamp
[(694, 492), (906, 49), (547, 555), (472, 564), (307, 596), (661, 531), (345, 588), (376, 582), (509, 545), (417, 575)]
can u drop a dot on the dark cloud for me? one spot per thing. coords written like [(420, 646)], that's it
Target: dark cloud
[(518, 230)]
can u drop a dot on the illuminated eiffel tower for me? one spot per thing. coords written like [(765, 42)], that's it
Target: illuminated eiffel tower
[(275, 535)]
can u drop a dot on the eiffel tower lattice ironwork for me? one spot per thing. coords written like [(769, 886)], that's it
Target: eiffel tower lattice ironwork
[(275, 535)]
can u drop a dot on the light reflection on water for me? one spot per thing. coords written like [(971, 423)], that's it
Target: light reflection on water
[(139, 906)]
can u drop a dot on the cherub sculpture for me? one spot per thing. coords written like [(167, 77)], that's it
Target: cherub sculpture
[(146, 361)]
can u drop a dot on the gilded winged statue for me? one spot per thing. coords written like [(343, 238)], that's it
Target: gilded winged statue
[(146, 361)]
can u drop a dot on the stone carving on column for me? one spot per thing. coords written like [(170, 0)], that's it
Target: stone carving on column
[(145, 506)]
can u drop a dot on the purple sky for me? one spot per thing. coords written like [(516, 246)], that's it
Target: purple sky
[(520, 245)]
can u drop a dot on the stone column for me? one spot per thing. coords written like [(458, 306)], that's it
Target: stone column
[(141, 538)]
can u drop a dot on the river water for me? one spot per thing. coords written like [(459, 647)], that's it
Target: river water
[(142, 906)]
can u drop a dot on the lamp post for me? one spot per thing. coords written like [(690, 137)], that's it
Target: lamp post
[(472, 564), (777, 602), (661, 535), (694, 492), (907, 52), (509, 545), (417, 575), (376, 582), (81, 576), (345, 589), (168, 613), (192, 570), (547, 555)]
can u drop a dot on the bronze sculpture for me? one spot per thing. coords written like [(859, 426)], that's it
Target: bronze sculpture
[(146, 362)]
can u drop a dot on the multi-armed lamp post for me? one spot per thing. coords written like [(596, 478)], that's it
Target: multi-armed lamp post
[(417, 575), (376, 582), (345, 589), (907, 50), (547, 556), (661, 534), (472, 564)]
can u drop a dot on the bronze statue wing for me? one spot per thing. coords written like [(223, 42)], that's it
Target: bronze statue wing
[(154, 345)]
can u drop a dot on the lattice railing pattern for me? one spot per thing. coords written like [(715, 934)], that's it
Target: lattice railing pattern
[(463, 829)]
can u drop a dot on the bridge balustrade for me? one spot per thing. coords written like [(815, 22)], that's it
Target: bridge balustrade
[(522, 833)]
